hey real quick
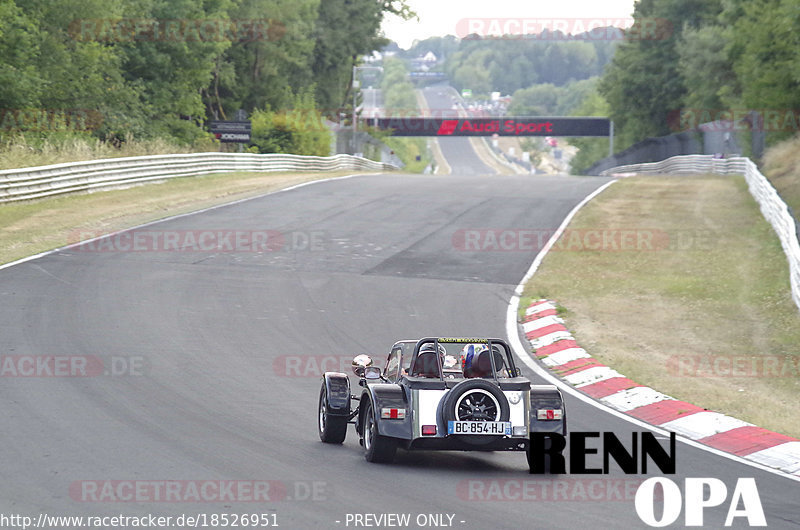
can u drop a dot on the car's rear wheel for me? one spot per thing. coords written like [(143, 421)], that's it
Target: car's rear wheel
[(377, 448), (332, 429), (475, 400)]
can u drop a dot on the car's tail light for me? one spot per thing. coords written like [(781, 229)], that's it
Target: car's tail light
[(393, 414), (549, 414), (429, 430)]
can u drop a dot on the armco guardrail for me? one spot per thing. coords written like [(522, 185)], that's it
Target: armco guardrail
[(774, 209), (44, 181)]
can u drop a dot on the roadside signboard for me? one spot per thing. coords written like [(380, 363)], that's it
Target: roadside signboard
[(231, 131), (506, 126)]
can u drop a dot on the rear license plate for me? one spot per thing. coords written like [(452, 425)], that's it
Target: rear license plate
[(501, 428)]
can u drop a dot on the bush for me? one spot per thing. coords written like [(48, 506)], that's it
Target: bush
[(300, 130)]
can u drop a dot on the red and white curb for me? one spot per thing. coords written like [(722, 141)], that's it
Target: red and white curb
[(558, 351)]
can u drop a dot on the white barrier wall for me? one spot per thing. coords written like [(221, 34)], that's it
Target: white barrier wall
[(774, 209), (44, 181)]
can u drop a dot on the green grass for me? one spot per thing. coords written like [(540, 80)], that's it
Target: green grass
[(716, 283), (408, 149)]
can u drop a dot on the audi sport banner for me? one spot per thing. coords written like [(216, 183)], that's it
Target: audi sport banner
[(231, 131), (508, 126)]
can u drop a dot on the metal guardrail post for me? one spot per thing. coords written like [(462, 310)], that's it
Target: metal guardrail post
[(611, 138)]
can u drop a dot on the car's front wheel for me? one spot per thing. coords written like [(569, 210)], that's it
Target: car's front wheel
[(332, 429), (377, 448)]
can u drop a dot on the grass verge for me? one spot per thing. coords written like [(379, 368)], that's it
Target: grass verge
[(19, 151), (31, 227), (703, 275), (412, 151), (783, 171)]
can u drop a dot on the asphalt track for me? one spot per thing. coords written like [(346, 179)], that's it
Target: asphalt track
[(220, 335), (456, 150)]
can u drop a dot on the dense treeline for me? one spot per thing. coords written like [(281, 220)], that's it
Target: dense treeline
[(737, 55), (509, 64), (161, 68), (396, 89)]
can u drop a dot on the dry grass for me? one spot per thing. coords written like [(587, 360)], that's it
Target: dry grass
[(782, 168), (18, 152), (34, 226), (720, 286)]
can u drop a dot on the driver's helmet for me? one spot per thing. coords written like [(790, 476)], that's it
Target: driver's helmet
[(429, 359), (468, 353), (431, 346), (476, 362)]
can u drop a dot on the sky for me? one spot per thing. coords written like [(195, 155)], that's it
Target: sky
[(457, 17)]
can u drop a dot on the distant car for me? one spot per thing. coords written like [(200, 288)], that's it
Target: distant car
[(439, 394)]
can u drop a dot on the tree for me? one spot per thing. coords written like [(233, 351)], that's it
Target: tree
[(705, 66), (537, 100), (169, 69), (20, 80), (572, 96), (643, 84), (346, 29), (397, 90), (474, 77), (267, 70), (442, 47), (764, 46), (590, 150)]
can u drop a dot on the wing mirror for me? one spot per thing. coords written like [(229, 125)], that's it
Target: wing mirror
[(372, 372), (360, 363)]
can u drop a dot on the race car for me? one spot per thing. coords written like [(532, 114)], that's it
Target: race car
[(439, 394)]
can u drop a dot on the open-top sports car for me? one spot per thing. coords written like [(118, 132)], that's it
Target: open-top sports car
[(439, 393)]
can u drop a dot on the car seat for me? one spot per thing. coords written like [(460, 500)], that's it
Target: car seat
[(426, 365)]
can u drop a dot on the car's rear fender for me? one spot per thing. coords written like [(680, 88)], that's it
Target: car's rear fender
[(547, 398), (388, 396), (519, 409), (337, 388)]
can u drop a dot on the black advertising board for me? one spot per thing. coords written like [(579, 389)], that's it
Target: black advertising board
[(507, 126), (231, 131)]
